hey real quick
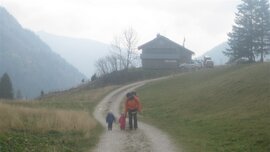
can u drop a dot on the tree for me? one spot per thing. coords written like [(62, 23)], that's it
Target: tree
[(263, 28), (94, 77), (108, 64), (19, 94), (125, 46), (123, 55), (241, 38), (41, 93), (6, 91), (250, 31), (102, 66)]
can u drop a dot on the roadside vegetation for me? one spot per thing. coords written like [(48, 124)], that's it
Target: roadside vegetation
[(221, 109), (61, 122), (44, 120), (132, 75)]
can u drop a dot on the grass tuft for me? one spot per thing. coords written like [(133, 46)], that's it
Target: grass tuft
[(43, 119)]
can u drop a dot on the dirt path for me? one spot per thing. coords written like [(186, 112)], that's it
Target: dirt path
[(145, 139)]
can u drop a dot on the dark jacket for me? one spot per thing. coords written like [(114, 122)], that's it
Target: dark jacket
[(110, 118)]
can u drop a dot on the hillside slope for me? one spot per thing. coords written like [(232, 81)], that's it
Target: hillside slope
[(81, 53), (223, 109), (29, 62)]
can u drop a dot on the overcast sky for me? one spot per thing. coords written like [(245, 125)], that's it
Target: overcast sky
[(204, 23)]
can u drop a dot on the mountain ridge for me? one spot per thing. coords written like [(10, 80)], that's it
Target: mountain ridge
[(219, 58), (216, 53), (30, 62), (80, 52)]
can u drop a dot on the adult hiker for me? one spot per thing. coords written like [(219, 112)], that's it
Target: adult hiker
[(132, 106)]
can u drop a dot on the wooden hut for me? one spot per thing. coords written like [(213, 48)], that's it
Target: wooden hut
[(163, 53)]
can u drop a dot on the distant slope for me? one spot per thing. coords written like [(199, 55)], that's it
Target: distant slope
[(81, 53), (220, 109), (30, 63), (219, 58), (217, 54)]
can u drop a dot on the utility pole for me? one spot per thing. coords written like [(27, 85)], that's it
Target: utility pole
[(184, 41)]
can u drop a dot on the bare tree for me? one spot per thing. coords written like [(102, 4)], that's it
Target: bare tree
[(125, 46), (102, 66), (108, 64), (113, 62), (123, 55)]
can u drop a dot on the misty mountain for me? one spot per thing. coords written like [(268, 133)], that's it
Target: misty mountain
[(217, 55), (81, 53), (220, 59), (30, 63)]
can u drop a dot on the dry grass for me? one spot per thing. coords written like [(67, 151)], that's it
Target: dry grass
[(43, 120), (59, 122)]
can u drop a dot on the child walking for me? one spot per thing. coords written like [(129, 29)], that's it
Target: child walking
[(122, 121), (110, 119)]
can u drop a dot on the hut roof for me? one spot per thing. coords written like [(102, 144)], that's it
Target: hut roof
[(163, 42)]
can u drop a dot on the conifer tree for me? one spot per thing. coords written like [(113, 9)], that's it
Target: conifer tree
[(6, 91), (250, 34), (262, 21)]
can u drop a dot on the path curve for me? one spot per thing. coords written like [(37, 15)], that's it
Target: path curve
[(146, 138)]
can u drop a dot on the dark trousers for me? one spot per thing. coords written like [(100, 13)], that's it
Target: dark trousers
[(110, 125), (132, 116)]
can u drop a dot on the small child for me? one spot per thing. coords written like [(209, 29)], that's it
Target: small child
[(110, 119), (122, 121)]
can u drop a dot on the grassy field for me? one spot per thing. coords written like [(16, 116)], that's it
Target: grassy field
[(61, 122), (225, 109)]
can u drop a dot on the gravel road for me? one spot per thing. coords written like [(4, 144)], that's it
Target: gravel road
[(146, 138)]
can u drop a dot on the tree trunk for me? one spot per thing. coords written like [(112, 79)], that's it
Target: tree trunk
[(262, 60)]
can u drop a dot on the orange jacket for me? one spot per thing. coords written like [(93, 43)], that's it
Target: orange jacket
[(132, 104)]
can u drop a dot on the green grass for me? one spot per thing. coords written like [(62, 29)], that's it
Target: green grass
[(17, 140), (217, 110), (44, 142)]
